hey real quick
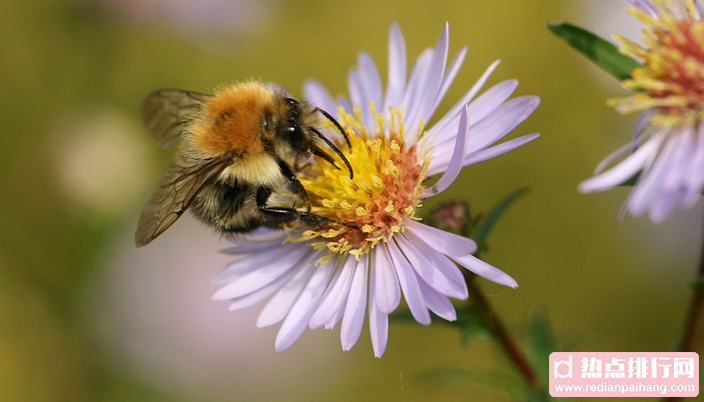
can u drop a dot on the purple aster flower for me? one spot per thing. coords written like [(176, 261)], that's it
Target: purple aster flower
[(667, 149), (320, 276)]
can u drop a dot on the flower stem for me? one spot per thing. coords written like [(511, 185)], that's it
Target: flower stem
[(509, 345), (693, 337)]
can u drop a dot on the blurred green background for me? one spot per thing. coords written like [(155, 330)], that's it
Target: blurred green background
[(84, 316)]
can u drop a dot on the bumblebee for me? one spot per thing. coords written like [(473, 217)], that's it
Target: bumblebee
[(235, 167)]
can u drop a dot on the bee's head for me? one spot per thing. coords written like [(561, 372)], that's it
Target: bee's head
[(296, 128)]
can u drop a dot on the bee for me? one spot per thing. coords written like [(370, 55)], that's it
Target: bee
[(235, 166)]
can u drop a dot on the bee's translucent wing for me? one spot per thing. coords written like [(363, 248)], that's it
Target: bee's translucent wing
[(181, 182), (166, 111)]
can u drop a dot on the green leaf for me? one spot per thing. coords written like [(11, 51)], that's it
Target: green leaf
[(541, 344), (487, 224), (632, 181), (470, 321), (402, 316), (602, 52)]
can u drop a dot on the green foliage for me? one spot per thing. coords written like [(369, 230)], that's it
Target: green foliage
[(470, 322), (541, 343), (632, 181), (602, 52), (480, 231), (472, 318)]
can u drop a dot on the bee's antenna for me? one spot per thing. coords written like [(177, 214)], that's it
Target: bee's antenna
[(339, 127), (337, 151)]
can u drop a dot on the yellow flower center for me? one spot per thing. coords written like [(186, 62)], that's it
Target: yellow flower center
[(671, 80), (388, 176)]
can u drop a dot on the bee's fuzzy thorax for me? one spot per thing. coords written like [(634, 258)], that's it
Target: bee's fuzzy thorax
[(231, 122)]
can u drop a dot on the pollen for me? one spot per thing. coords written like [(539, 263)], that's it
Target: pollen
[(390, 207), (311, 234), (671, 80), (385, 191)]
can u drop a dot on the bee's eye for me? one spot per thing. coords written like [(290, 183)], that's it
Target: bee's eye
[(292, 128), (296, 137)]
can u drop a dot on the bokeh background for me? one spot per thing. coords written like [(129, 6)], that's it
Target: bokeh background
[(85, 316)]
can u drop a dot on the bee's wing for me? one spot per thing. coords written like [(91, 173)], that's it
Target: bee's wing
[(164, 113), (181, 182)]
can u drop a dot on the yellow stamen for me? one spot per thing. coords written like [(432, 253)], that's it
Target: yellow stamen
[(670, 82), (374, 116), (323, 260), (390, 207), (331, 233), (386, 188), (392, 168), (395, 146), (421, 128), (311, 234), (358, 115)]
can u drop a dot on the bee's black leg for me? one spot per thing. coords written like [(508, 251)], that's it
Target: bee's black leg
[(282, 215), (296, 187)]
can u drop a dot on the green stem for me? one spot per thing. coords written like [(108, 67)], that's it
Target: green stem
[(693, 337), (509, 345)]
